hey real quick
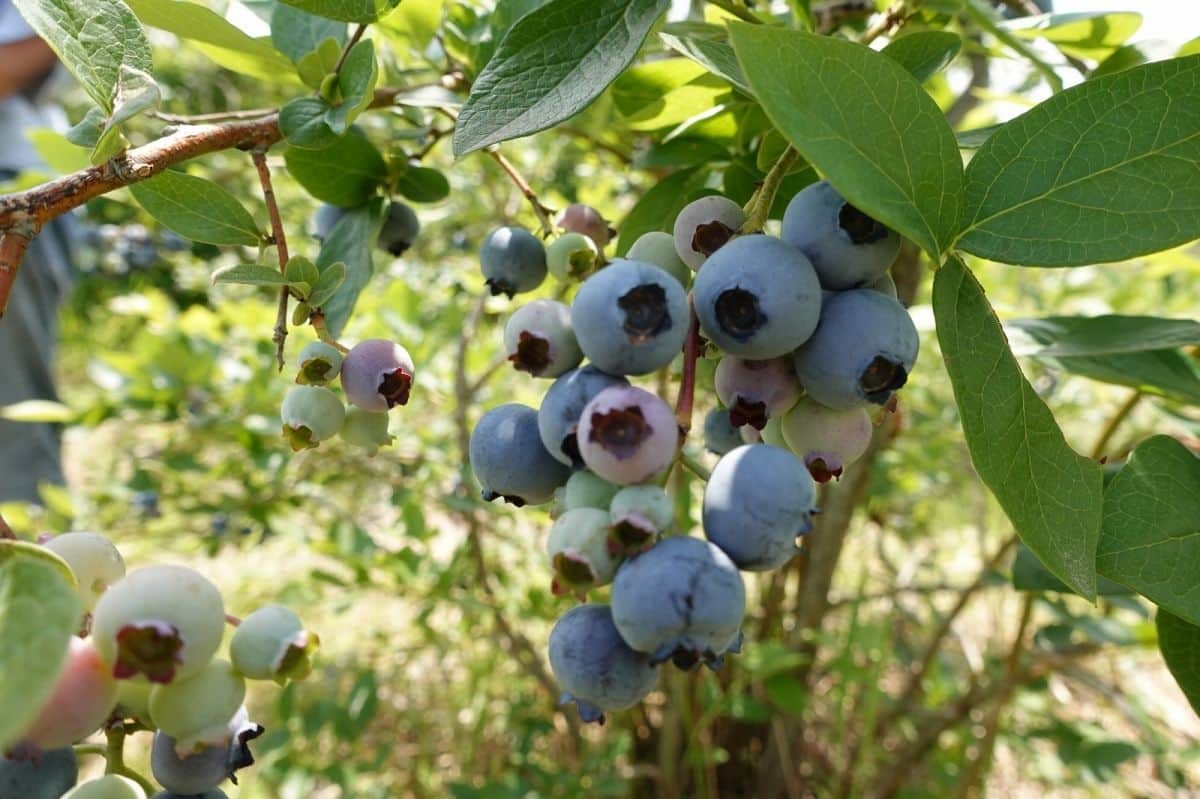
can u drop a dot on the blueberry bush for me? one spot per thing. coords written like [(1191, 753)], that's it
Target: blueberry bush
[(564, 398)]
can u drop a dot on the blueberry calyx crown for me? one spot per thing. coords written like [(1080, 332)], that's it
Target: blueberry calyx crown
[(738, 313), (881, 378), (395, 387), (861, 229), (621, 430), (532, 355), (745, 412), (498, 286), (151, 648), (711, 236), (646, 313)]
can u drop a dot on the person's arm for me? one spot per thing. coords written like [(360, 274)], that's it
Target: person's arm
[(23, 64)]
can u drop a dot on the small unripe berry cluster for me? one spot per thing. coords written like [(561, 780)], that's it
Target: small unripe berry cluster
[(147, 652), (808, 333)]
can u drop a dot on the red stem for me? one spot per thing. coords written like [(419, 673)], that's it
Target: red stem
[(687, 383), (12, 250)]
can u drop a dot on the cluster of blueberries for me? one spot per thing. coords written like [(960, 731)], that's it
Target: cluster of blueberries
[(809, 333), (146, 658)]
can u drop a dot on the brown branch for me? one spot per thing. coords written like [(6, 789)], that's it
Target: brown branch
[(218, 116), (892, 19), (687, 382), (13, 244), (1122, 413), (6, 532), (542, 211), (279, 239)]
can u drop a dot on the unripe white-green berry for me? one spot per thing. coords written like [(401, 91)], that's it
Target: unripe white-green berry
[(196, 712), (110, 786), (311, 414), (578, 550), (319, 364), (272, 644), (93, 559), (366, 429)]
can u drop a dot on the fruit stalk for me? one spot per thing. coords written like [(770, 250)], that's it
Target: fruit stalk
[(279, 335), (759, 207), (687, 382)]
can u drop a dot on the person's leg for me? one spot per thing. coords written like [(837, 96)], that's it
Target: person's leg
[(30, 453)]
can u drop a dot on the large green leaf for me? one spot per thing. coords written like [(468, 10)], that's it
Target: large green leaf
[(1150, 539), (1028, 574), (552, 63), (717, 57), (345, 174), (219, 39), (39, 612), (924, 53), (197, 209), (363, 11), (297, 33), (864, 122), (93, 38), (1104, 171), (1051, 494), (356, 86), (1179, 642), (1092, 34), (349, 246)]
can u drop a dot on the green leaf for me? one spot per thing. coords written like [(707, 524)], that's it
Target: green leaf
[(551, 65), (297, 33), (1179, 642), (37, 411), (421, 184), (136, 93), (216, 37), (924, 53), (786, 692), (657, 208), (1082, 35), (93, 38), (363, 11), (315, 66), (86, 132), (864, 122), (327, 284), (975, 138), (1105, 171), (1108, 334), (1150, 538), (345, 174), (1028, 574), (1190, 47), (643, 86), (250, 275), (303, 124), (1051, 494), (197, 209), (351, 242), (57, 151), (39, 612), (717, 57), (356, 85), (301, 270), (417, 23)]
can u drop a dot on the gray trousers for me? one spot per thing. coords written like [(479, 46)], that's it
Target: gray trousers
[(30, 452)]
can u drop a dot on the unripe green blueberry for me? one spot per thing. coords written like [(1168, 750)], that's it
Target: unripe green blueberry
[(133, 700), (83, 697), (311, 414), (319, 364), (639, 515), (586, 490), (94, 561), (572, 256), (658, 248), (196, 711), (578, 550), (110, 786), (366, 429), (272, 644), (160, 622)]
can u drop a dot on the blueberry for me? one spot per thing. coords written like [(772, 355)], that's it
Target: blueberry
[(847, 248), (197, 773), (82, 699), (539, 340), (377, 375), (757, 297), (196, 711), (756, 391), (658, 248), (110, 786), (94, 560), (595, 668), (826, 439), (367, 430), (272, 644), (513, 261), (399, 230), (627, 435), (47, 775), (862, 351), (562, 407), (509, 459), (215, 793), (571, 256), (885, 285), (586, 490), (311, 414), (319, 363), (585, 220), (680, 600), (324, 220), (772, 433), (704, 226), (640, 514), (630, 318), (578, 551), (758, 501), (720, 435), (146, 504)]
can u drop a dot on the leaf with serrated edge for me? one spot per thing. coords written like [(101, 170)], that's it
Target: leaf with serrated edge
[(39, 612), (1051, 494), (1105, 171), (1150, 538), (864, 122), (197, 209), (550, 66)]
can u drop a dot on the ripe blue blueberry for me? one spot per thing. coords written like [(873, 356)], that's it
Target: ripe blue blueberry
[(758, 501), (826, 439), (197, 773), (377, 375), (513, 261), (705, 226), (720, 434), (596, 668), (48, 775), (847, 248), (539, 340), (399, 230), (863, 350), (756, 391), (757, 297), (658, 248), (571, 256), (324, 220), (627, 435), (682, 600), (509, 459), (630, 318), (562, 407)]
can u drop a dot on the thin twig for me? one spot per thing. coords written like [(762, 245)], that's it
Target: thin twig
[(1114, 422), (12, 250), (354, 37), (219, 116), (114, 758), (542, 211), (279, 238), (891, 20), (759, 207)]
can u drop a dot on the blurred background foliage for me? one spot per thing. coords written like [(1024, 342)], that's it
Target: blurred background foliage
[(434, 609)]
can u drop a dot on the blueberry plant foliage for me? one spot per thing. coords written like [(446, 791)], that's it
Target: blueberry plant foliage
[(733, 116)]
